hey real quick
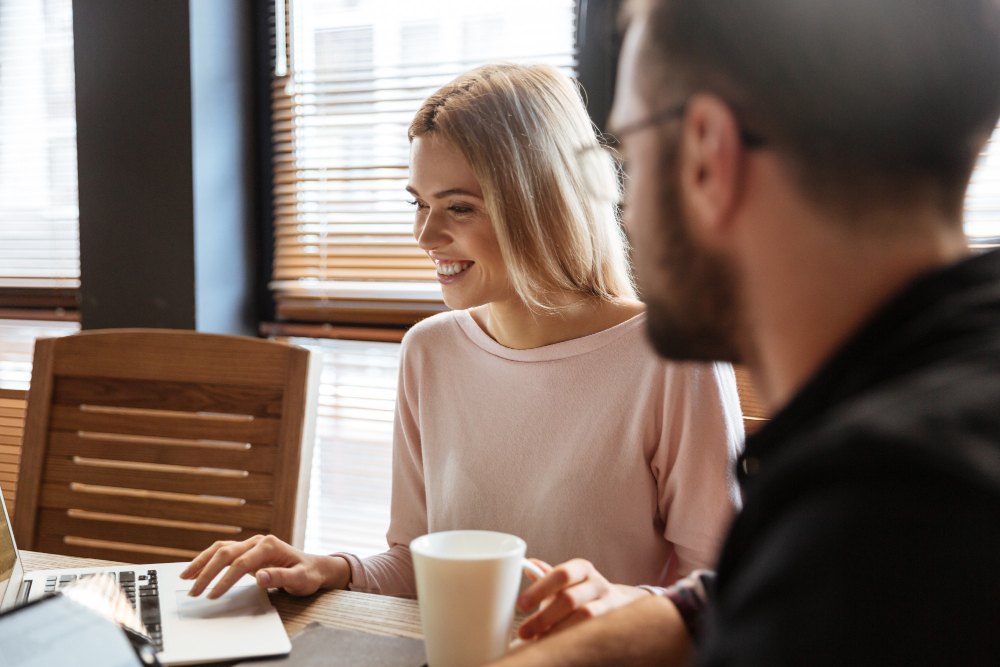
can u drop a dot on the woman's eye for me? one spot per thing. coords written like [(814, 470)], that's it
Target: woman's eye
[(459, 210), (419, 205)]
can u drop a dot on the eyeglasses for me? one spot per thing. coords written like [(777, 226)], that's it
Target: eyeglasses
[(749, 138)]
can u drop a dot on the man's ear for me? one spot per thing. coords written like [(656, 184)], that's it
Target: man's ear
[(711, 160)]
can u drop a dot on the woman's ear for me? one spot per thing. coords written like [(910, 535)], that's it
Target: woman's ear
[(711, 163)]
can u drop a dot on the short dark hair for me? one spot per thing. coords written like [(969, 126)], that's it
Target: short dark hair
[(870, 99)]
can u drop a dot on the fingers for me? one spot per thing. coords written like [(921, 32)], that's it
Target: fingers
[(606, 597), (570, 593), (591, 609), (567, 574), (207, 565), (199, 561), (297, 580), (569, 606), (541, 565), (241, 558)]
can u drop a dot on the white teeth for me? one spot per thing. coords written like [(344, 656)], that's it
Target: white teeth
[(452, 268)]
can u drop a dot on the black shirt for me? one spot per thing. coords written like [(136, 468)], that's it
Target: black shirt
[(870, 532)]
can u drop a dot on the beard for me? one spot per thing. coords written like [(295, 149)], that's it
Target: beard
[(690, 292)]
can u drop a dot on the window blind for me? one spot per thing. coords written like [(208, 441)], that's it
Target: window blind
[(358, 71), (39, 219)]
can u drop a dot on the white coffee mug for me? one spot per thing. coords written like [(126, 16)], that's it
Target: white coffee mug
[(467, 584)]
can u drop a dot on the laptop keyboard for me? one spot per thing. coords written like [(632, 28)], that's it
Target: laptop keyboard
[(142, 592)]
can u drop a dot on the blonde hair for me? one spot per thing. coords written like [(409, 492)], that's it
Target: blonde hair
[(550, 188)]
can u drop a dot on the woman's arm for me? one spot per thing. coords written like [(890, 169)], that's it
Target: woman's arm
[(695, 463)]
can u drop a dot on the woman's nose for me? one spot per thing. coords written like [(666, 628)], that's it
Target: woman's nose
[(430, 230)]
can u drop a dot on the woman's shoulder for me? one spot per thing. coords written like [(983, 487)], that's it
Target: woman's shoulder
[(434, 328)]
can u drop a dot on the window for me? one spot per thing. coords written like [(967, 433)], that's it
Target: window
[(344, 253), (39, 219), (358, 71), (982, 201), (350, 484)]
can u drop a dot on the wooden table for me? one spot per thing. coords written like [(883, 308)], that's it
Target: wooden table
[(379, 614)]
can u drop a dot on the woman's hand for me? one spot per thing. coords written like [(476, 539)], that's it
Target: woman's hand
[(570, 593), (275, 564)]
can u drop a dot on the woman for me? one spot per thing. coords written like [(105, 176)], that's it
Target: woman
[(535, 406)]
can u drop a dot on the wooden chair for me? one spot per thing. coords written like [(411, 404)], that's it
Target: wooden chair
[(146, 445)]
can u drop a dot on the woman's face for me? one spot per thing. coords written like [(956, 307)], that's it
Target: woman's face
[(452, 226)]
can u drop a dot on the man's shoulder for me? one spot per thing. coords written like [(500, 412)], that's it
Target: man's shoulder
[(940, 418), (934, 454), (873, 515)]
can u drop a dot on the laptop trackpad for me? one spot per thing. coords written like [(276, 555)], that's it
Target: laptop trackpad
[(238, 601)]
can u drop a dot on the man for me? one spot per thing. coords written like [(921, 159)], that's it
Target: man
[(796, 180)]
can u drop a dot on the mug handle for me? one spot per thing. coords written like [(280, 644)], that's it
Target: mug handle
[(528, 566)]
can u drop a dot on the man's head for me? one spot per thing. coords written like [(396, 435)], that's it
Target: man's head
[(870, 104)]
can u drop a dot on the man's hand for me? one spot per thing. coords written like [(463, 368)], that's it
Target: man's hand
[(568, 594), (649, 631)]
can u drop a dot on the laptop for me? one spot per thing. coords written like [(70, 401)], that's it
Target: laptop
[(187, 631)]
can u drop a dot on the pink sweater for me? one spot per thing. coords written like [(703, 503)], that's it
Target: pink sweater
[(591, 448)]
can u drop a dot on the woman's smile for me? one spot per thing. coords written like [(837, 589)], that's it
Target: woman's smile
[(449, 271)]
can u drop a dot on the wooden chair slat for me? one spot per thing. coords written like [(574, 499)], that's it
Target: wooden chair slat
[(250, 515), (133, 554), (149, 355), (261, 431), (255, 458), (179, 396), (255, 486), (58, 524)]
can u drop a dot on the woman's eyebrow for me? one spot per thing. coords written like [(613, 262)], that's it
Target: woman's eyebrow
[(447, 193)]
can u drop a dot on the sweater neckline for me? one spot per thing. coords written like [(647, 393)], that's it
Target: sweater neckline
[(560, 350)]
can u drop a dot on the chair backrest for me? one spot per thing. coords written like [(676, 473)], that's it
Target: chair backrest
[(146, 445)]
